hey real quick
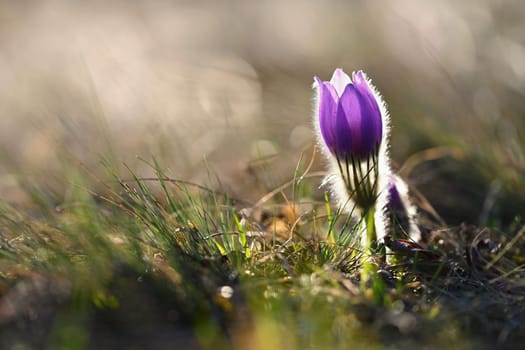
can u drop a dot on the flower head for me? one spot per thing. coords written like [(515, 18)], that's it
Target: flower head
[(399, 211), (394, 203), (349, 115)]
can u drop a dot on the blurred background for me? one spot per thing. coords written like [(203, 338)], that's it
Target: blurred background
[(224, 87)]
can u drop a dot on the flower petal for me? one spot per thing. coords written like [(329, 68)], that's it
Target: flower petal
[(364, 88), (327, 109), (340, 80), (343, 136), (361, 126), (394, 198)]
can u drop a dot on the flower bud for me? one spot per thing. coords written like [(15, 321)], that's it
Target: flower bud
[(349, 115), (400, 212)]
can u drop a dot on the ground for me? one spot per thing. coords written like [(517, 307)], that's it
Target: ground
[(193, 268)]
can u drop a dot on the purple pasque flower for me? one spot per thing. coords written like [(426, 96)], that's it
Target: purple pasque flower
[(394, 202), (349, 115), (399, 211)]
